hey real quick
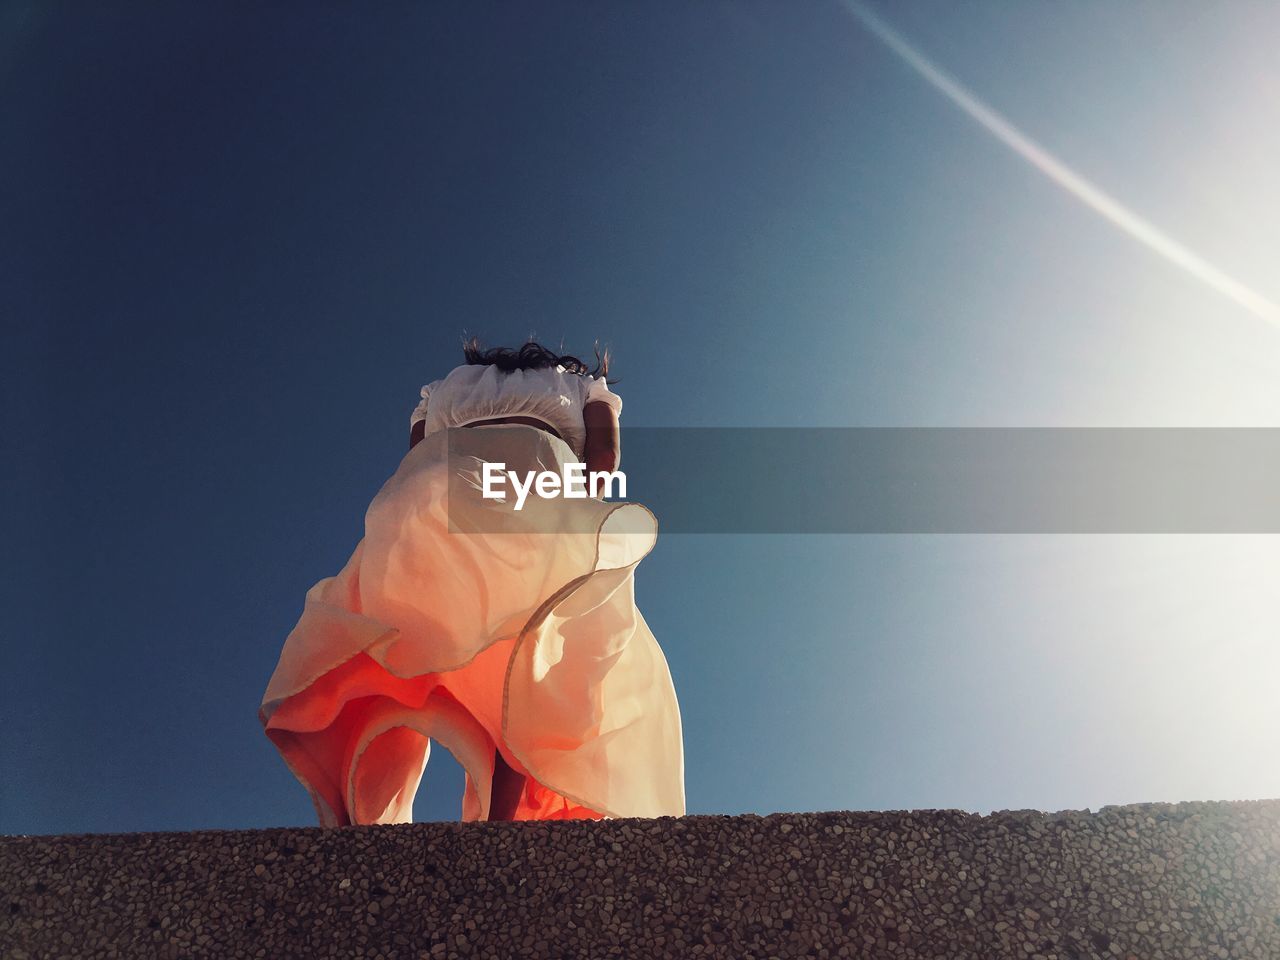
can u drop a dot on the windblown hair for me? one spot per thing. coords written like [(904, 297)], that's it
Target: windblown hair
[(534, 356)]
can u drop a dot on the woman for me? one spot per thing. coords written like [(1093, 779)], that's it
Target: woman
[(509, 636)]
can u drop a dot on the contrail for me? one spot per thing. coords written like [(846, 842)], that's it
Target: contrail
[(1057, 171)]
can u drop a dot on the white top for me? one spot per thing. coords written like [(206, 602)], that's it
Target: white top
[(481, 391)]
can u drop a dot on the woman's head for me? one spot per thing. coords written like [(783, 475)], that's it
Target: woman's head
[(534, 356)]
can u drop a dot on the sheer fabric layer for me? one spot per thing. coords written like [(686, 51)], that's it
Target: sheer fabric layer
[(463, 621)]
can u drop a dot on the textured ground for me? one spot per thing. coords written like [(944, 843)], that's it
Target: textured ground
[(1193, 880)]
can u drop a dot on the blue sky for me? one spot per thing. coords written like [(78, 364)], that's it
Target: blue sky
[(237, 241)]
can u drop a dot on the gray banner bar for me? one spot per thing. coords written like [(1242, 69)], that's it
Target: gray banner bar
[(956, 480)]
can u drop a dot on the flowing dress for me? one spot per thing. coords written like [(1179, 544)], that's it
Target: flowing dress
[(462, 620)]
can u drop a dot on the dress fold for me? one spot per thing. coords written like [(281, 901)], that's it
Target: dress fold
[(461, 620)]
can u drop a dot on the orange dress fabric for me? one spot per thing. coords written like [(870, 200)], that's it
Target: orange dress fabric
[(461, 620)]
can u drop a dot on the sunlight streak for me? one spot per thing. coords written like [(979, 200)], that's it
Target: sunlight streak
[(1102, 203)]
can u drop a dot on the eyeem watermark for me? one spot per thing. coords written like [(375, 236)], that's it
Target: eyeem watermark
[(923, 480), (572, 483)]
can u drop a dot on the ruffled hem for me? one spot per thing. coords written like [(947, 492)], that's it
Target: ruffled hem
[(579, 698)]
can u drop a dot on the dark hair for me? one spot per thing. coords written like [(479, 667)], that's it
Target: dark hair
[(534, 356)]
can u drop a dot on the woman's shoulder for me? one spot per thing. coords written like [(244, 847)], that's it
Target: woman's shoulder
[(539, 378), (475, 382), (597, 388)]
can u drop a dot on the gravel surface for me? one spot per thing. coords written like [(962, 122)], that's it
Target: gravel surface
[(1150, 881)]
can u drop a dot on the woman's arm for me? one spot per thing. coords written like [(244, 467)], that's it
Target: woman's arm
[(418, 421), (603, 451)]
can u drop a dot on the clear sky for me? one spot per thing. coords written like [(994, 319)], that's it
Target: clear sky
[(234, 242)]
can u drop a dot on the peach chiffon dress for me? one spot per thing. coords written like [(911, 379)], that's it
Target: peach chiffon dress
[(461, 620)]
